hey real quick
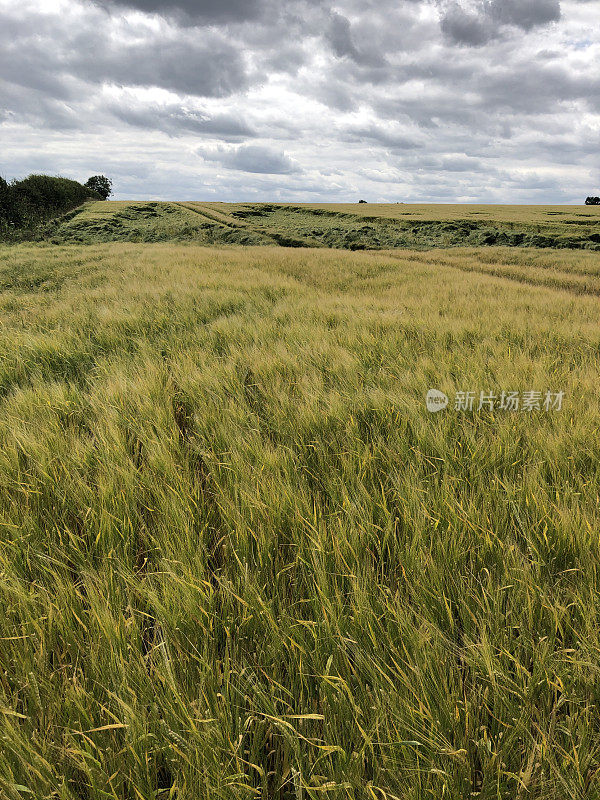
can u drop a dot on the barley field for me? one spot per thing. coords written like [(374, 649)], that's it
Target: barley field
[(239, 558)]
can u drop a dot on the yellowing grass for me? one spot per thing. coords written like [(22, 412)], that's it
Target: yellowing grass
[(445, 212)]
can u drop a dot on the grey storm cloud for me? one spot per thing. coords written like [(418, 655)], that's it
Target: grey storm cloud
[(215, 12), (206, 65), (342, 40), (386, 138), (465, 27), (340, 37), (539, 88), (477, 25), (255, 158), (195, 10), (525, 14), (177, 120), (206, 68)]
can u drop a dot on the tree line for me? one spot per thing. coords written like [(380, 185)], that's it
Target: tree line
[(32, 201)]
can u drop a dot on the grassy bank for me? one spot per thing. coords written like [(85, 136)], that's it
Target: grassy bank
[(348, 227)]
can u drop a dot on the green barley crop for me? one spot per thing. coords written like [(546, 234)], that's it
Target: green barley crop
[(238, 557)]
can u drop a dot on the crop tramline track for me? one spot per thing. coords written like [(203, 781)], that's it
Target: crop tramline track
[(213, 216), (557, 279)]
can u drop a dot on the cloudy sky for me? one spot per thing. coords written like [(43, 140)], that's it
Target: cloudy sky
[(398, 100)]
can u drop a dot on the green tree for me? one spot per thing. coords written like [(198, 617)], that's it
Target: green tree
[(592, 201), (100, 184)]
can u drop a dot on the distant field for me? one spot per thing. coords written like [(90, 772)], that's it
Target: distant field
[(446, 212), (240, 559), (351, 227)]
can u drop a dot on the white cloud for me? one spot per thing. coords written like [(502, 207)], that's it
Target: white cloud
[(419, 100)]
